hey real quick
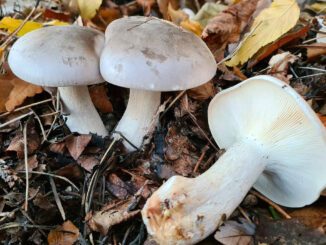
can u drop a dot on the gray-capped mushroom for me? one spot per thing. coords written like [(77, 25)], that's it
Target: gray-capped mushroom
[(274, 142), (149, 55), (66, 57)]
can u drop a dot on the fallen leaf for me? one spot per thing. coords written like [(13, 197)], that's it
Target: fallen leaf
[(100, 99), (315, 50), (207, 12), (323, 120), (77, 144), (287, 231), (88, 162), (52, 14), (32, 163), (88, 8), (117, 187), (146, 5), (65, 234), (203, 92), (59, 147), (17, 143), (11, 24), (113, 214), (227, 26), (232, 232), (319, 7), (298, 32), (180, 18), (163, 7), (312, 216), (42, 201), (269, 25), (279, 64), (5, 90), (21, 90)]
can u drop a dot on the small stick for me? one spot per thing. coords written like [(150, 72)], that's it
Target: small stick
[(25, 107), (244, 214), (270, 202), (53, 175), (57, 199), (204, 150), (173, 102), (16, 119), (26, 165)]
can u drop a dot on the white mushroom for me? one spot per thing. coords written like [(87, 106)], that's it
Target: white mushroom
[(148, 56), (66, 57), (274, 142)]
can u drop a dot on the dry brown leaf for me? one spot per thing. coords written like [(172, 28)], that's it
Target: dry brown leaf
[(113, 214), (227, 26), (65, 234), (163, 6), (232, 232), (42, 201), (203, 92), (279, 64), (5, 90), (117, 187), (77, 144), (59, 147), (17, 143), (100, 99), (88, 162), (315, 50), (21, 90)]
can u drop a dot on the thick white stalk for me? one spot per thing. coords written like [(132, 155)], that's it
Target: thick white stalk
[(83, 117), (185, 211), (137, 118)]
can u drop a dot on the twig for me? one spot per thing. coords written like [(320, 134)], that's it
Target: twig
[(274, 205), (26, 165), (25, 107), (57, 198), (16, 119), (41, 125), (173, 102), (200, 159), (244, 214), (54, 176), (312, 68), (15, 224)]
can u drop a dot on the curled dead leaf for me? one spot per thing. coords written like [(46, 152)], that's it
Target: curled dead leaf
[(65, 234), (100, 99)]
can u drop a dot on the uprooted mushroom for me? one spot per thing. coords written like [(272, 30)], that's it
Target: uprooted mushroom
[(149, 55), (274, 142)]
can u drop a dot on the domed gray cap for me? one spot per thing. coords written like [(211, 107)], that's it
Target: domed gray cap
[(152, 54), (269, 111), (58, 56)]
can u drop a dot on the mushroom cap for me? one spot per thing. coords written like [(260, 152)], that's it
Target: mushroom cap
[(152, 54), (269, 111), (58, 56)]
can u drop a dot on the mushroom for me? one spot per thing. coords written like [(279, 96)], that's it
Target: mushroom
[(274, 142), (149, 55), (66, 57)]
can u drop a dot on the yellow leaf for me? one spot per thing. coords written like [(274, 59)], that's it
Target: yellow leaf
[(269, 25), (192, 26), (11, 24), (88, 8), (319, 7)]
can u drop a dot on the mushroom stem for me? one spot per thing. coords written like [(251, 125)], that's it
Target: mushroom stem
[(83, 117), (135, 122), (185, 211)]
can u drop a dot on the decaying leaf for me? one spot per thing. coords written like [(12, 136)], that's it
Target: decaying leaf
[(279, 64), (117, 186), (232, 232), (298, 32), (227, 26), (269, 25), (88, 162), (65, 234), (5, 90), (77, 144), (88, 8), (100, 99), (203, 92), (207, 12), (180, 18), (111, 215), (21, 90)]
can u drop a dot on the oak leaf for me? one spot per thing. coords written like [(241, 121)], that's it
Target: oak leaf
[(269, 25)]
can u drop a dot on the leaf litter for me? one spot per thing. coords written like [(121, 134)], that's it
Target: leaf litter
[(102, 194)]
